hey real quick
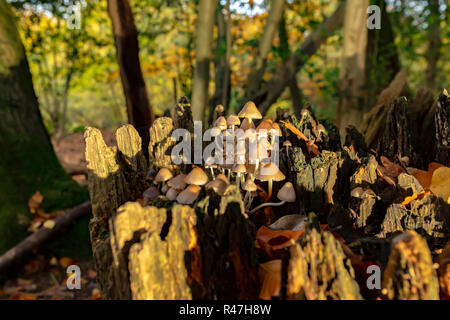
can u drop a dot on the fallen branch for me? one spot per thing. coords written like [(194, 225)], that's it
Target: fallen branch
[(19, 251)]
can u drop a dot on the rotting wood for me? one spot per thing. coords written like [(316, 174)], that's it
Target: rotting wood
[(442, 125), (161, 143), (319, 270), (410, 274)]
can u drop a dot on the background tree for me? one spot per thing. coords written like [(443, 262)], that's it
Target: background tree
[(434, 43), (139, 110), (203, 52), (28, 162)]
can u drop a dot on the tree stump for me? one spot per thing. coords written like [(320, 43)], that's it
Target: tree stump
[(442, 125), (410, 274), (319, 270)]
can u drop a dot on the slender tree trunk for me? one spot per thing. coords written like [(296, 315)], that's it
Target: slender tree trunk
[(27, 161), (139, 110), (434, 43), (266, 96), (296, 93), (265, 43), (203, 52), (382, 62), (222, 67), (352, 79)]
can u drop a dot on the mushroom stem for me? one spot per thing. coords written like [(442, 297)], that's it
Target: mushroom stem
[(212, 173), (287, 151), (269, 194), (273, 204), (238, 179)]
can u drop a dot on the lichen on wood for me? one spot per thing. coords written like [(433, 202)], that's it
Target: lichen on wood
[(410, 274)]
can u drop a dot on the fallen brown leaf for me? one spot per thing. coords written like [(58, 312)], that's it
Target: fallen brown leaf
[(270, 276)]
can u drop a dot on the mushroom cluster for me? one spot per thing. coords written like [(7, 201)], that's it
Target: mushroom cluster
[(244, 151)]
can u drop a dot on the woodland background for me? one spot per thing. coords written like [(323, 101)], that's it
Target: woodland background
[(131, 60)]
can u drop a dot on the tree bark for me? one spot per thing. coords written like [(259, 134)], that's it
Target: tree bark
[(265, 43), (434, 43), (139, 110), (27, 162), (266, 96), (203, 46), (222, 65), (353, 66)]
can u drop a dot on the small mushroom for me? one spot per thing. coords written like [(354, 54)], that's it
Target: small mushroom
[(246, 124), (197, 176), (264, 127), (303, 114), (189, 195), (210, 163), (221, 123), (163, 175), (250, 111), (232, 121), (287, 144), (250, 187), (285, 194), (218, 185), (320, 130), (270, 172), (240, 170), (172, 194), (178, 183), (151, 194), (164, 188)]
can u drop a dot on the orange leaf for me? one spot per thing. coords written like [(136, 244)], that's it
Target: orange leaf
[(22, 296), (270, 276), (440, 183), (268, 241)]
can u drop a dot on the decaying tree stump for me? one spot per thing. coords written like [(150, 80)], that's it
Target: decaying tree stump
[(410, 274), (442, 124), (319, 270), (158, 249)]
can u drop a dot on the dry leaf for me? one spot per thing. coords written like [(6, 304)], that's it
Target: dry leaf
[(424, 177), (65, 262), (268, 241), (440, 183), (270, 276), (22, 296), (389, 168), (49, 224)]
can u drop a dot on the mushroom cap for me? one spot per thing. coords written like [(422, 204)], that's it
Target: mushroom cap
[(276, 130), (172, 194), (245, 125), (321, 128), (287, 143), (218, 185), (250, 111), (287, 193), (219, 108), (249, 185), (223, 178), (197, 176), (188, 195), (265, 124), (233, 120), (221, 122), (164, 174), (178, 183), (151, 193), (269, 172), (239, 168)]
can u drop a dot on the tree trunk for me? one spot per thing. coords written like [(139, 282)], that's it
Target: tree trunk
[(222, 65), (382, 61), (296, 92), (139, 110), (434, 43), (266, 96), (353, 66), (203, 52), (265, 44), (28, 162)]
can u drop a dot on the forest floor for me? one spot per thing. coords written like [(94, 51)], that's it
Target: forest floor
[(43, 277)]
